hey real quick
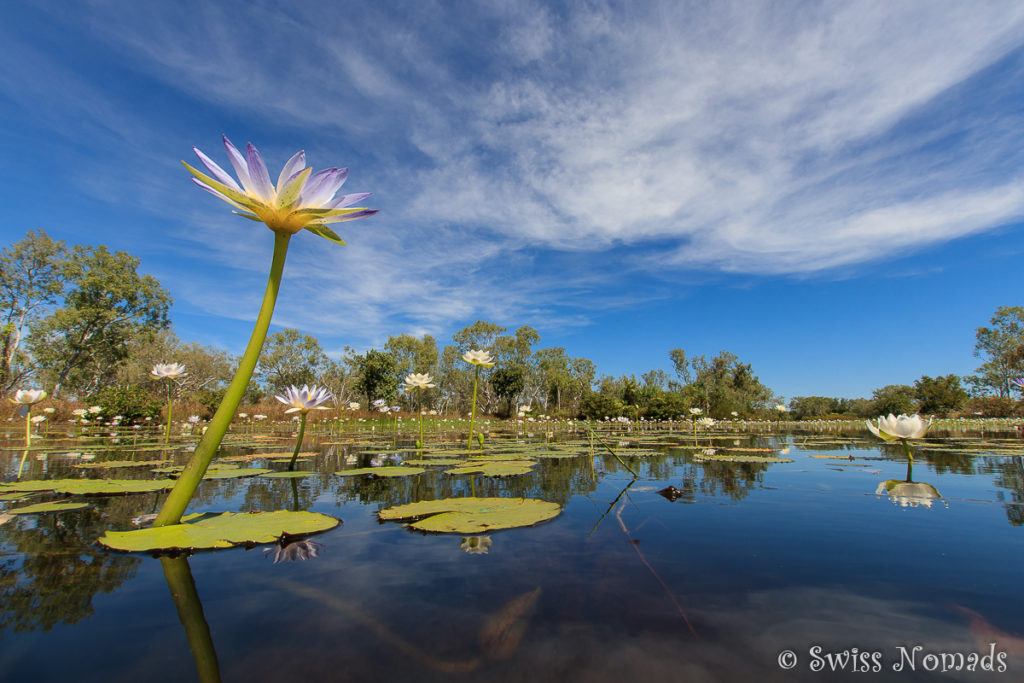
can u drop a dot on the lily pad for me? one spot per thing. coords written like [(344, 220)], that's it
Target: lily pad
[(298, 474), (277, 455), (178, 469), (56, 506), (91, 487), (739, 458), (119, 463), (205, 531), (234, 473), (473, 515), (501, 468), (393, 471), (17, 496)]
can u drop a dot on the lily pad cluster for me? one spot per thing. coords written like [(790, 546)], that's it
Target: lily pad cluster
[(472, 515)]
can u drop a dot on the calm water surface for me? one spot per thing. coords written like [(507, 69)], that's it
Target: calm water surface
[(709, 582)]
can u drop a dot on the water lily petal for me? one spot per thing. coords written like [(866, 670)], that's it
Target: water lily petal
[(218, 172), (346, 200), (291, 168), (258, 173), (289, 194), (329, 184), (243, 199), (358, 213), (239, 164), (217, 194)]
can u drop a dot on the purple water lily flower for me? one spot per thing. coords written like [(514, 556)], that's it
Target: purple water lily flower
[(301, 199)]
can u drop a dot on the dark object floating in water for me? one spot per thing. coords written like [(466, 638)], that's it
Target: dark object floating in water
[(671, 493)]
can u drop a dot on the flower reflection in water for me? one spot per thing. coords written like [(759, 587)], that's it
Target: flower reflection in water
[(476, 545), (291, 550), (909, 493)]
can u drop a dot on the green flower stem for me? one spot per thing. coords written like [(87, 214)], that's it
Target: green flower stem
[(472, 416), (190, 612), (178, 500), (420, 392), (22, 463), (28, 427), (170, 407), (298, 442), (910, 452)]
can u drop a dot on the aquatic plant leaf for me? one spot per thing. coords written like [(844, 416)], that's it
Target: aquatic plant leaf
[(17, 496), (265, 456), (91, 487), (235, 473), (55, 506), (289, 475), (393, 471), (433, 462), (206, 531), (739, 458), (473, 515), (501, 468), (119, 463), (178, 469)]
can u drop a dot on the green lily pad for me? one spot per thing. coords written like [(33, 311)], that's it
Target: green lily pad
[(394, 471), (235, 473), (504, 468), (739, 458), (205, 531), (178, 469), (277, 455), (473, 515), (289, 475), (433, 462), (56, 506), (91, 487), (119, 463), (17, 496)]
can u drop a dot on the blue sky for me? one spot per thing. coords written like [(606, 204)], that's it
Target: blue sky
[(831, 190)]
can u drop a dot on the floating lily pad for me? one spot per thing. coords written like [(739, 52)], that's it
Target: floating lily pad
[(277, 455), (298, 474), (393, 471), (499, 468), (119, 463), (432, 462), (739, 458), (206, 531), (235, 473), (473, 515), (56, 506), (91, 487), (178, 469), (17, 496)]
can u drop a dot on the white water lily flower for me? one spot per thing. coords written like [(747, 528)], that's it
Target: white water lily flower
[(900, 428), (781, 408), (167, 370), (478, 357), (305, 399), (301, 200), (706, 422), (95, 409), (353, 406), (695, 411), (419, 381), (27, 397)]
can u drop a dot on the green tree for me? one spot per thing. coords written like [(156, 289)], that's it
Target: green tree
[(206, 367), (31, 279), (291, 358), (413, 355), (378, 376), (939, 395), (892, 398), (803, 407), (508, 383), (1002, 345), (106, 305)]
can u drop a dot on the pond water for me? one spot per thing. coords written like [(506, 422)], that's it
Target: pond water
[(710, 580)]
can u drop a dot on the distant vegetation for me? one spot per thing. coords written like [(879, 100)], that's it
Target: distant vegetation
[(82, 322)]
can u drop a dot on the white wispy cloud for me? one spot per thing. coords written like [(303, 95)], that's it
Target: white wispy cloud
[(784, 138)]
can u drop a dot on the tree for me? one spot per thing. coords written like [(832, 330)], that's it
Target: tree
[(106, 304), (206, 368), (939, 395), (291, 358), (508, 382), (893, 398), (31, 278), (378, 376), (1003, 345), (412, 355)]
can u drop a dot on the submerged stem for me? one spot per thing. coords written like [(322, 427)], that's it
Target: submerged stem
[(190, 612), (178, 500)]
